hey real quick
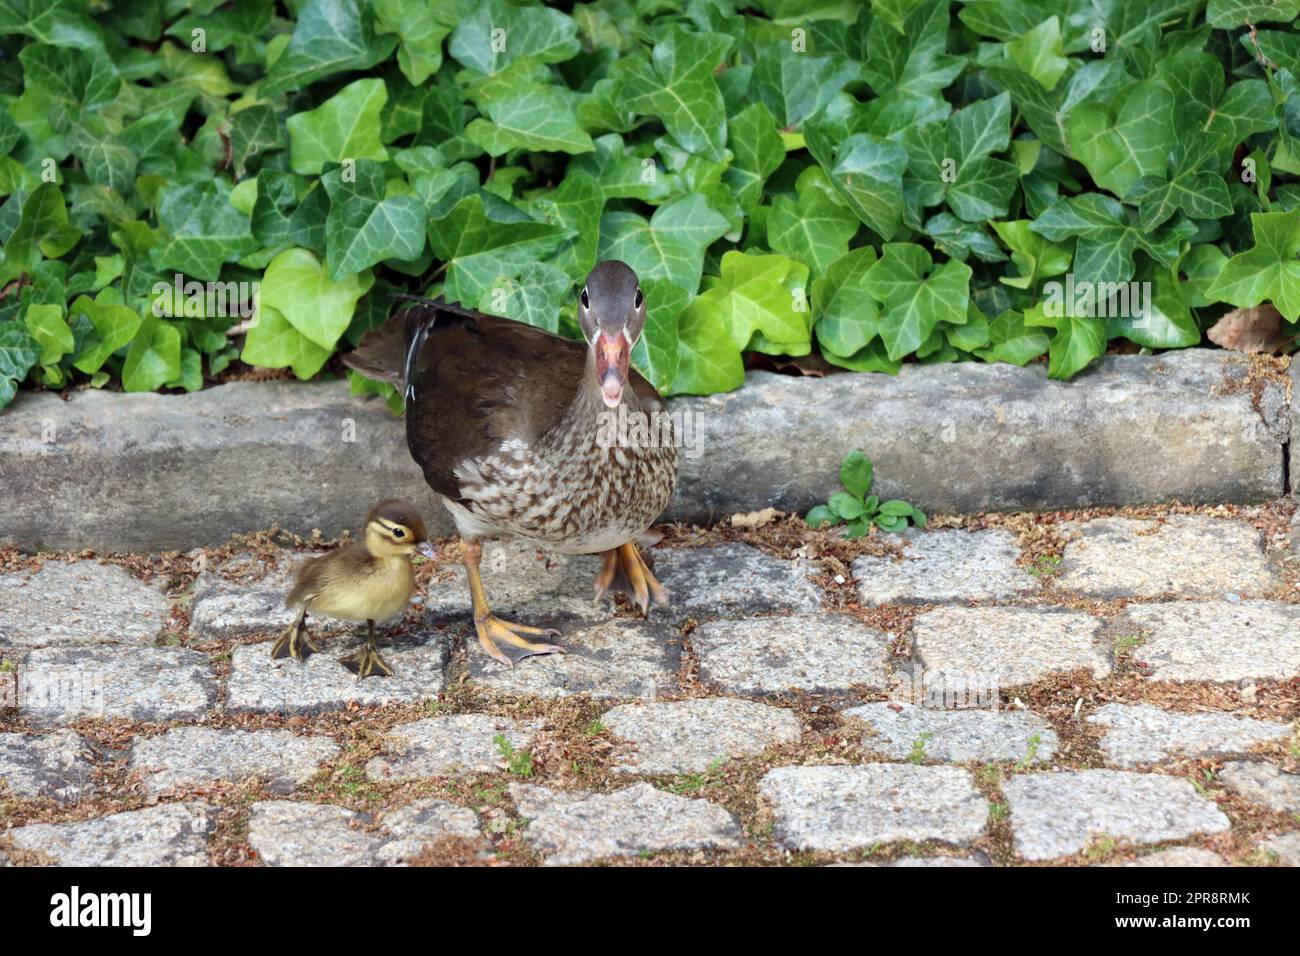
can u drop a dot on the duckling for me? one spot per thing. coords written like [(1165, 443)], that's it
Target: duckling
[(369, 580)]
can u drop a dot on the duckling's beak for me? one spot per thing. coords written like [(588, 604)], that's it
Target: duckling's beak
[(612, 353), (426, 549)]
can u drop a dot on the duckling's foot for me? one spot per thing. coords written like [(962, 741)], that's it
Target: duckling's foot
[(366, 662), (625, 571), (295, 642), (502, 640)]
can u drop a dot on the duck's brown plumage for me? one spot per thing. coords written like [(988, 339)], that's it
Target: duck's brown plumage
[(477, 384)]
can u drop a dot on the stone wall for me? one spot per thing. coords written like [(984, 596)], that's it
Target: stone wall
[(118, 472)]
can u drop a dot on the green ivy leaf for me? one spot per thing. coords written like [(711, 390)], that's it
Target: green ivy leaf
[(107, 159), (1078, 340), (1125, 139), (1107, 237), (708, 361), (60, 82), (252, 131), (330, 37), (272, 342), (479, 245), (62, 23), (915, 297), (999, 19), (297, 285), (575, 206), (670, 245), (1041, 109), (46, 324), (534, 298), (1010, 340), (42, 228), (1201, 266), (960, 240), (1268, 271), (764, 297), (867, 171), (421, 32), (847, 318), (1235, 13), (154, 358), (811, 228), (1163, 322), (364, 228), (912, 63), (757, 151), (1034, 257), (677, 85), (1039, 53), (795, 85), (533, 33), (112, 324), (344, 127), (1193, 187), (658, 352), (19, 352), (201, 230), (956, 163), (531, 116), (1204, 104)]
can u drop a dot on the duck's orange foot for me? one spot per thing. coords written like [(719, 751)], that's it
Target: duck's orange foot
[(625, 571), (503, 641)]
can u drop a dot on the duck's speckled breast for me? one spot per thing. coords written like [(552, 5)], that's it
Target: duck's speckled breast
[(590, 484)]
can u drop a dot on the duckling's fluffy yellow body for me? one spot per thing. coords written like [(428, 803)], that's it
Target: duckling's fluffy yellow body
[(354, 585)]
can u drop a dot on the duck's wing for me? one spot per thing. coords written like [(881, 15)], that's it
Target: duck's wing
[(471, 382)]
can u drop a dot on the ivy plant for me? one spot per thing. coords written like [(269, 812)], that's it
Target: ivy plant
[(874, 182)]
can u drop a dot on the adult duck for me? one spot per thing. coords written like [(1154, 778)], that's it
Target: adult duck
[(530, 435)]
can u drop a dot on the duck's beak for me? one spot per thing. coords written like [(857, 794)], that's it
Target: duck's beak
[(612, 352), (426, 549)]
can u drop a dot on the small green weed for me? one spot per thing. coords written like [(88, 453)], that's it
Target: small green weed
[(518, 762), (859, 510)]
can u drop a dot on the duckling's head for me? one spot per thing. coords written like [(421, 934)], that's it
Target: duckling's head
[(394, 529)]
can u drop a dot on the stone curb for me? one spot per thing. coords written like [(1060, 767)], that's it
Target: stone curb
[(118, 472)]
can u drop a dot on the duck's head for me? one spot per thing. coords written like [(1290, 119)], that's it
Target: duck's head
[(611, 311), (395, 529)]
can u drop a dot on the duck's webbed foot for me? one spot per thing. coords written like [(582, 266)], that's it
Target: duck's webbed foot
[(625, 571), (503, 640), (295, 642), (366, 661)]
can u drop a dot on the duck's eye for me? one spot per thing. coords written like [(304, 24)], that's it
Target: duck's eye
[(399, 533), (586, 303), (638, 300)]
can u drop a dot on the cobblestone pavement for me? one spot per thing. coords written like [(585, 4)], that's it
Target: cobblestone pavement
[(1077, 689)]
